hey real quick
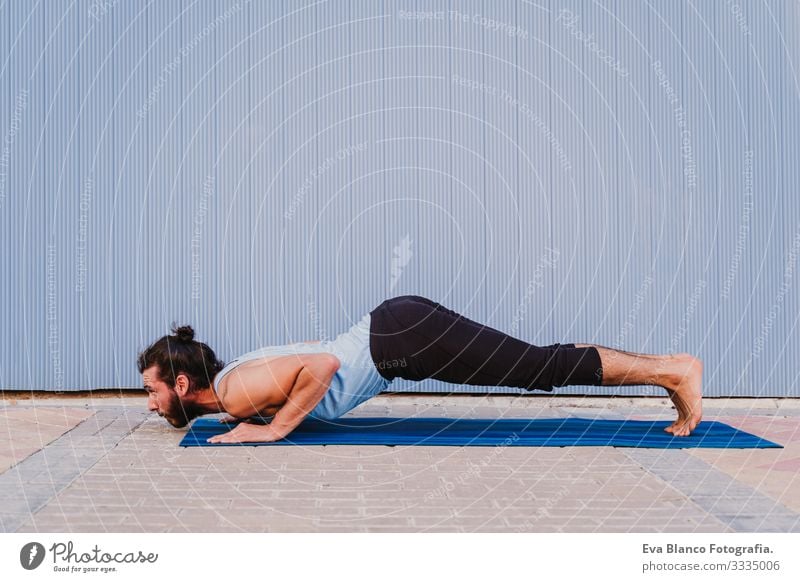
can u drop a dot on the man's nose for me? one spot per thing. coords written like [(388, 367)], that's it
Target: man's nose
[(151, 404)]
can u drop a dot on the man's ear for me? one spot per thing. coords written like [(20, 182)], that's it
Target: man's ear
[(182, 384)]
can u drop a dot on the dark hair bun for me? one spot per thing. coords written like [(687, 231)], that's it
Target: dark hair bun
[(184, 333)]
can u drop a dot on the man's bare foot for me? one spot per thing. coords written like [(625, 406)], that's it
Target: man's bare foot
[(680, 406), (686, 392)]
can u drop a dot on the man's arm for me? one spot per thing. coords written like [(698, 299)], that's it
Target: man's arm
[(308, 388), (254, 386)]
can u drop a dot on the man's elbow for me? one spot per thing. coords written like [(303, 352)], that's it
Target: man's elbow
[(333, 362), (321, 364)]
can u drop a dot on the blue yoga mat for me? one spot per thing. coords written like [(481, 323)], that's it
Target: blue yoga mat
[(519, 432)]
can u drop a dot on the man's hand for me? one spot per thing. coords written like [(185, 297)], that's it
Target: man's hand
[(246, 432)]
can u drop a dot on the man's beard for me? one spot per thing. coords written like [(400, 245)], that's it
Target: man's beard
[(178, 413)]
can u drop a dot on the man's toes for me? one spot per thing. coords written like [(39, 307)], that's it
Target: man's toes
[(676, 423), (680, 429)]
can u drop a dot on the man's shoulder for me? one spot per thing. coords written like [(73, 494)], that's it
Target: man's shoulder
[(265, 383), (274, 367)]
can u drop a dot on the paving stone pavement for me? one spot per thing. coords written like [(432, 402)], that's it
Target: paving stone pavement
[(29, 431), (72, 465)]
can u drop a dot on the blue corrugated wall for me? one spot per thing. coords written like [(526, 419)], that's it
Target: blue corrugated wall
[(619, 173)]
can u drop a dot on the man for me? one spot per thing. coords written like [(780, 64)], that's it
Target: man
[(407, 337)]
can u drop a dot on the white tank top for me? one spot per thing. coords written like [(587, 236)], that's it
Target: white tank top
[(356, 380)]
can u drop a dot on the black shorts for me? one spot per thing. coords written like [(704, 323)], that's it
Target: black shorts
[(414, 338)]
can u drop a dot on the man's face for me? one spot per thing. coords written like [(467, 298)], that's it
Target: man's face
[(163, 399)]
